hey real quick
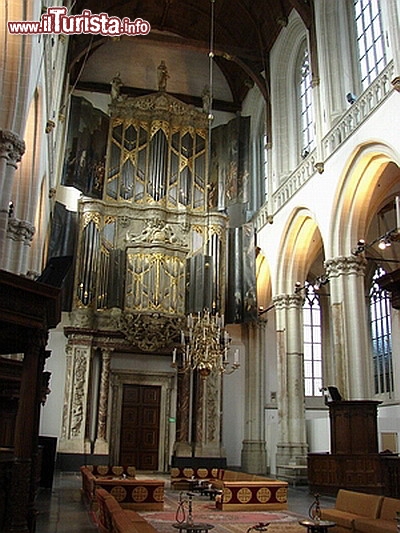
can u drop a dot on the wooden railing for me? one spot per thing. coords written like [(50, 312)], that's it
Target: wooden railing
[(391, 475)]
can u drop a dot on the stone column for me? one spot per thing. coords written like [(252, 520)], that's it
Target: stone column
[(208, 407), (182, 447), (254, 455), (12, 148), (350, 326), (19, 236), (292, 446), (101, 445), (73, 434)]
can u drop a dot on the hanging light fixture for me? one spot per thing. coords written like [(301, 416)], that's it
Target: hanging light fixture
[(205, 346), (205, 342)]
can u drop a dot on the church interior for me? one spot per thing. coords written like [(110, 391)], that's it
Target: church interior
[(200, 241)]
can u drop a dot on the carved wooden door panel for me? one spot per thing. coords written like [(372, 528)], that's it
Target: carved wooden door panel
[(140, 426)]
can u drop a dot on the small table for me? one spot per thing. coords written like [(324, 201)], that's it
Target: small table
[(317, 526), (193, 528)]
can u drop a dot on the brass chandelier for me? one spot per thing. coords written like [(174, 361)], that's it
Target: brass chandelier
[(205, 342), (205, 346)]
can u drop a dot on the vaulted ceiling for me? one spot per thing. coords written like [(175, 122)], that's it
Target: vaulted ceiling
[(244, 32)]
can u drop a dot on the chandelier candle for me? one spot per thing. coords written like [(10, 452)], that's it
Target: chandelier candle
[(205, 346)]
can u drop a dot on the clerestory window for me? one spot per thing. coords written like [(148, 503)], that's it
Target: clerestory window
[(306, 107), (370, 40), (312, 332)]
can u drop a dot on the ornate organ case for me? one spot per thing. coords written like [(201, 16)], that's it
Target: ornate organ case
[(151, 249)]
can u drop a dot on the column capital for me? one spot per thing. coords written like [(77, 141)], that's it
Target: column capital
[(106, 353), (345, 266), (12, 147), (20, 230), (282, 301)]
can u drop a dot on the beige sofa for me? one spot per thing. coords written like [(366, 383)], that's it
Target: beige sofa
[(385, 523), (357, 512)]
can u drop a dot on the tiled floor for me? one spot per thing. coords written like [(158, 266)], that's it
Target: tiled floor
[(60, 509)]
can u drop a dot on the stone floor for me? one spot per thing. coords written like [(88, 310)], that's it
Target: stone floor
[(60, 509)]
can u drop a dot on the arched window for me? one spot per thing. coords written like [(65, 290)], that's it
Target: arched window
[(370, 40), (312, 342), (264, 159), (259, 181), (381, 336), (306, 107)]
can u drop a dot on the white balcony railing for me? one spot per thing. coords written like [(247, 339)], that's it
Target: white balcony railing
[(356, 115)]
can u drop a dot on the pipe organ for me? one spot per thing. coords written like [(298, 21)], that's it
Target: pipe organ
[(139, 242), (151, 249)]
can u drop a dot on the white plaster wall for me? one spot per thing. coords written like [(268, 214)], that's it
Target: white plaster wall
[(51, 413), (234, 412), (271, 438), (318, 431), (389, 422), (141, 363)]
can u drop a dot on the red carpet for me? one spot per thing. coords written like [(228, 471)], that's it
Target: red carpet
[(223, 521)]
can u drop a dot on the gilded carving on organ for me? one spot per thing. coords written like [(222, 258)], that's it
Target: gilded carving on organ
[(156, 231), (150, 332)]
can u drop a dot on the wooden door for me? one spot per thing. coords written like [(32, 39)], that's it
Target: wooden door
[(140, 426)]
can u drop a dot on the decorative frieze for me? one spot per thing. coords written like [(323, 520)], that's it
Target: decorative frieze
[(150, 332), (79, 392), (104, 389), (76, 383), (162, 107)]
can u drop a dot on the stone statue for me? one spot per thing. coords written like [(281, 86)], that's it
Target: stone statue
[(116, 84), (162, 75)]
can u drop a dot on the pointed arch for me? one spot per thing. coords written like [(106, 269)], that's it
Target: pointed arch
[(263, 277), (359, 194), (301, 244), (285, 123)]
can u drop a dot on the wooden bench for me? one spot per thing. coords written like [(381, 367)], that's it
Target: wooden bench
[(249, 492), (112, 518), (130, 492)]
